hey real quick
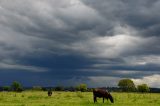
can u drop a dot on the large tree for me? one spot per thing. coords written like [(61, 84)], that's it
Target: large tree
[(127, 85), (16, 86)]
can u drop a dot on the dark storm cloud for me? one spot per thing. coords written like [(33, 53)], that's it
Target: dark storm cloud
[(79, 40), (142, 15)]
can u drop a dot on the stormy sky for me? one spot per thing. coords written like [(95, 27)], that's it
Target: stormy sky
[(67, 42)]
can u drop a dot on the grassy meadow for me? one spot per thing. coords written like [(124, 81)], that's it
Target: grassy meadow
[(39, 98)]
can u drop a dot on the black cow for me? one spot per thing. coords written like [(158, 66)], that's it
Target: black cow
[(101, 93), (49, 93)]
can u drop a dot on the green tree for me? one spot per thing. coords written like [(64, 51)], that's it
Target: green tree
[(81, 87), (127, 85), (16, 86), (143, 88)]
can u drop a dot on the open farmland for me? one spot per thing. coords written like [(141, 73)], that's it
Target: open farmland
[(30, 98)]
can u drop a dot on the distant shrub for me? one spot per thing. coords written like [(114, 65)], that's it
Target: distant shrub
[(81, 87), (6, 88), (143, 88)]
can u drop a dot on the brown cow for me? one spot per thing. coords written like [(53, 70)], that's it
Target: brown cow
[(101, 93)]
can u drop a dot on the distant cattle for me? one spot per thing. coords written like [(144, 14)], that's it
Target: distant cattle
[(102, 93), (49, 93)]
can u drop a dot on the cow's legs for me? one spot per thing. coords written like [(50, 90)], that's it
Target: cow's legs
[(95, 99), (103, 99)]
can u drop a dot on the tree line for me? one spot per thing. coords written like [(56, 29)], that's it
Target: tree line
[(17, 87), (127, 85), (124, 85)]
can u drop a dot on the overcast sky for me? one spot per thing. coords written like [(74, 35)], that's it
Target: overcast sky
[(67, 42)]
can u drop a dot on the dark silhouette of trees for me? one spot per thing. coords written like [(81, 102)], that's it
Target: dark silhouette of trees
[(6, 88), (59, 88)]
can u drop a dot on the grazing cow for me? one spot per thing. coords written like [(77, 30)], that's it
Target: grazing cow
[(101, 93), (49, 93)]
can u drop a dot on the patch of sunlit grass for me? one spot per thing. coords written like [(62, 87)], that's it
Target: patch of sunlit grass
[(30, 98)]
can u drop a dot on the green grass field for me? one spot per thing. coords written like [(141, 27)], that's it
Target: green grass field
[(30, 98)]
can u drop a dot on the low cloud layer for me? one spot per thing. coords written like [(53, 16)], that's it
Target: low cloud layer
[(79, 41)]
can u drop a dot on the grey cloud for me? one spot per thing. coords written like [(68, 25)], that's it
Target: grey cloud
[(22, 67), (151, 80), (141, 15), (86, 39), (46, 19)]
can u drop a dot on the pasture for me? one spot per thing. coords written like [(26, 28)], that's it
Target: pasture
[(40, 98)]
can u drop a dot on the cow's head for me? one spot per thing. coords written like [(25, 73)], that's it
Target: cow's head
[(110, 98)]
